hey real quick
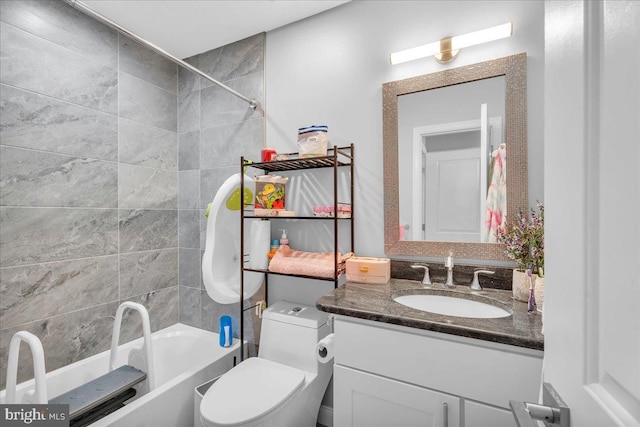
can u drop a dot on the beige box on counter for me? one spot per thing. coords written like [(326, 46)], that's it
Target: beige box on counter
[(376, 271)]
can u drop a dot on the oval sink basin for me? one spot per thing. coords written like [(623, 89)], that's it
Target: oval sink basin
[(452, 306)]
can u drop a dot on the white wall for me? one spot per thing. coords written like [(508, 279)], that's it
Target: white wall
[(329, 69)]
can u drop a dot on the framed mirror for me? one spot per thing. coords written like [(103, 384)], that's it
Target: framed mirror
[(455, 159)]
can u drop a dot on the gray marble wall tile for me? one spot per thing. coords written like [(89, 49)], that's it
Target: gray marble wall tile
[(190, 268), (32, 63), (189, 306), (35, 178), (211, 180), (61, 96), (142, 187), (219, 107), (219, 159), (35, 121), (203, 233), (189, 229), (188, 189), (65, 26), (33, 235), (163, 307), (234, 60), (223, 145), (189, 111), (193, 60), (189, 150), (144, 229), (143, 63), (147, 103), (44, 290), (66, 339), (188, 81), (211, 312), (144, 145), (143, 272)]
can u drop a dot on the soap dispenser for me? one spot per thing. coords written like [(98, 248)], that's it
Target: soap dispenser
[(283, 239)]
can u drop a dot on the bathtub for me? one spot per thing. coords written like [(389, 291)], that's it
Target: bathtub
[(185, 357)]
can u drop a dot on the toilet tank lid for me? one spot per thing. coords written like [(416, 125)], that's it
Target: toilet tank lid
[(296, 314)]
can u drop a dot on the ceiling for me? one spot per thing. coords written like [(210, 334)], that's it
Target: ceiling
[(188, 27)]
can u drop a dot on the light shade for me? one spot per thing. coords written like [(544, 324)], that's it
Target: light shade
[(457, 43)]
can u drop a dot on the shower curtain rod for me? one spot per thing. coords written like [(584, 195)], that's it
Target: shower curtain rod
[(88, 11)]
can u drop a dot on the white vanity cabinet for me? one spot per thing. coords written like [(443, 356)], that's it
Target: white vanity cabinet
[(388, 375), (366, 399)]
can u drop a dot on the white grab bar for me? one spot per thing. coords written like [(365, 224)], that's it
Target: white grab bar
[(145, 351), (38, 367)]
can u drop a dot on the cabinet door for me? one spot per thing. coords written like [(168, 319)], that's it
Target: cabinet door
[(516, 370), (366, 400), (479, 415)]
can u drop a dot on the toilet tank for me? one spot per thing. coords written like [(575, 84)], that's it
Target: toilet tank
[(290, 332)]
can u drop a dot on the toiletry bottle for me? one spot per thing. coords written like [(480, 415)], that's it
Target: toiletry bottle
[(275, 244), (283, 239), (226, 332)]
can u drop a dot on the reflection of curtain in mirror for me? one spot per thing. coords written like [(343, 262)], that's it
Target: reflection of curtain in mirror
[(496, 216)]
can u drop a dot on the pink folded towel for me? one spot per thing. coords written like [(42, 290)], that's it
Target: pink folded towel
[(316, 264)]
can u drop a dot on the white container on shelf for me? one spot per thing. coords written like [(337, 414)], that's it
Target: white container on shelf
[(313, 141)]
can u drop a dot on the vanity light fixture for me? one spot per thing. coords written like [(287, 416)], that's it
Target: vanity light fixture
[(447, 48)]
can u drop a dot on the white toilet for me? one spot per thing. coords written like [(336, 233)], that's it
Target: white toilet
[(284, 385)]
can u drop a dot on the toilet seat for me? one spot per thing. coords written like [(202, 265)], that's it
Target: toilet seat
[(250, 390)]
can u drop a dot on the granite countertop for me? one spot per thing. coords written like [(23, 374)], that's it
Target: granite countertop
[(375, 302)]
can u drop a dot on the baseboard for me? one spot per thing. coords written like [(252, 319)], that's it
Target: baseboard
[(325, 416)]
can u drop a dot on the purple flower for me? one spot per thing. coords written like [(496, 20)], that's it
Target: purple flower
[(524, 239)]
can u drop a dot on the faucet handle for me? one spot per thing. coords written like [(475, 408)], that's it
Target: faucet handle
[(475, 284), (426, 280)]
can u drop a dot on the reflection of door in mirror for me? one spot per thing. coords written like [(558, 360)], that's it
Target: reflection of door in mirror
[(452, 181), (449, 135)]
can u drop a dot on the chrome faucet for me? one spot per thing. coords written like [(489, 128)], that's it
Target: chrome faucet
[(475, 284), (449, 266), (426, 280)]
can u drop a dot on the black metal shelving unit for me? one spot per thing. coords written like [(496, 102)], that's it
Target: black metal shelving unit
[(337, 157)]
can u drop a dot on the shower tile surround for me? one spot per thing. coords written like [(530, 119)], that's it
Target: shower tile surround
[(214, 130), (88, 183), (109, 155)]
